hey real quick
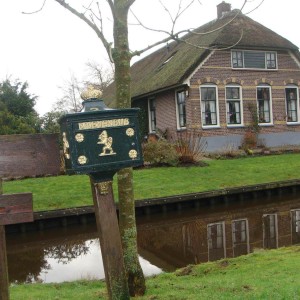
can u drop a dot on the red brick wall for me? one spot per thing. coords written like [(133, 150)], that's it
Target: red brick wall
[(217, 70)]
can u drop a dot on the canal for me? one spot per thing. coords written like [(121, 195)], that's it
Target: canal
[(166, 241)]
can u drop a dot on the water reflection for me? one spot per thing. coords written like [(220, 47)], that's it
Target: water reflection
[(166, 241), (220, 231)]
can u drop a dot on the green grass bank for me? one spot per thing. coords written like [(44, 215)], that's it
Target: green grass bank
[(264, 274), (73, 191)]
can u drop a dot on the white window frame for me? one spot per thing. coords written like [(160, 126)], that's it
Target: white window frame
[(151, 130), (244, 68), (286, 107), (270, 106), (204, 126), (241, 105), (177, 109)]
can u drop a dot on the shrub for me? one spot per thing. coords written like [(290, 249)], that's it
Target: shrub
[(189, 145), (249, 140), (159, 153)]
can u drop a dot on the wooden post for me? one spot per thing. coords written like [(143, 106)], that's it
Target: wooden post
[(110, 240), (15, 208), (4, 284)]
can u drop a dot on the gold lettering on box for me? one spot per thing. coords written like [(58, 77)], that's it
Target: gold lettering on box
[(107, 141), (103, 124)]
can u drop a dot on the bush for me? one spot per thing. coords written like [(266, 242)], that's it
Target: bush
[(249, 140), (159, 153), (189, 145)]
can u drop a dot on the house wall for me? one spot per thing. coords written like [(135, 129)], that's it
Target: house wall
[(165, 110), (217, 70)]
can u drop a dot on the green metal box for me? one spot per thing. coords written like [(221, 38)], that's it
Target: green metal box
[(101, 141)]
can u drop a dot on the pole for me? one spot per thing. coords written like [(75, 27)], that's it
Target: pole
[(110, 240), (4, 282)]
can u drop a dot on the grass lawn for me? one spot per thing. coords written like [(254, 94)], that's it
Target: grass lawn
[(265, 274), (72, 191)]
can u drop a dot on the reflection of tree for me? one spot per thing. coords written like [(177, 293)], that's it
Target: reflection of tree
[(26, 266), (68, 251)]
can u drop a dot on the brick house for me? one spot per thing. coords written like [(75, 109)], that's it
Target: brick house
[(210, 81)]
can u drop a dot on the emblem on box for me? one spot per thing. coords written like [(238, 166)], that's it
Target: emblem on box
[(107, 141)]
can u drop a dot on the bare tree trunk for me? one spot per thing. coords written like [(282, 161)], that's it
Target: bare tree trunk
[(121, 56)]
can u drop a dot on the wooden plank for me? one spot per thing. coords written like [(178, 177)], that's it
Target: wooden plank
[(16, 208), (29, 155), (4, 281), (110, 240)]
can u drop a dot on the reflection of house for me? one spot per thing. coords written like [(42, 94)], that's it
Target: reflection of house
[(220, 231), (209, 82)]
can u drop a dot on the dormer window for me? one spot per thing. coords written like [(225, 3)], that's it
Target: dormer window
[(261, 60)]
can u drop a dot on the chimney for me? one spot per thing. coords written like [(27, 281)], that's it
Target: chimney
[(223, 8)]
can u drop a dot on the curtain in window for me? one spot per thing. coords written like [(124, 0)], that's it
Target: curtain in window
[(292, 101), (181, 109), (208, 105), (263, 98)]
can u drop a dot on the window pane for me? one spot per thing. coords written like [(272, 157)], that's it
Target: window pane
[(271, 60), (233, 105), (181, 109), (208, 93), (152, 116), (291, 104), (254, 59), (237, 59), (263, 98), (208, 106)]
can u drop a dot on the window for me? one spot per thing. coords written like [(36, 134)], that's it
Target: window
[(253, 59), (152, 115), (209, 107), (295, 219), (240, 237), (291, 96), (180, 109), (270, 231), (216, 241), (237, 59), (233, 105), (263, 96)]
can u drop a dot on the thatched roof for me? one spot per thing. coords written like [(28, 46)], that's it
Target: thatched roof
[(171, 65)]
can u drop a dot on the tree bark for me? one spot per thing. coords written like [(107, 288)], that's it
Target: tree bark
[(121, 57)]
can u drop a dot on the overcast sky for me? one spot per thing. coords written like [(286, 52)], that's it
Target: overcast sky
[(45, 48)]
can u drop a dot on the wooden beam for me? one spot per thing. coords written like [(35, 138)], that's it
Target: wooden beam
[(29, 155), (110, 240), (4, 282), (16, 208)]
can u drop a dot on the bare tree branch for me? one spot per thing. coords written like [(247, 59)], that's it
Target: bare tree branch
[(99, 33), (175, 36), (255, 8), (224, 25), (34, 12), (139, 52), (214, 47)]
